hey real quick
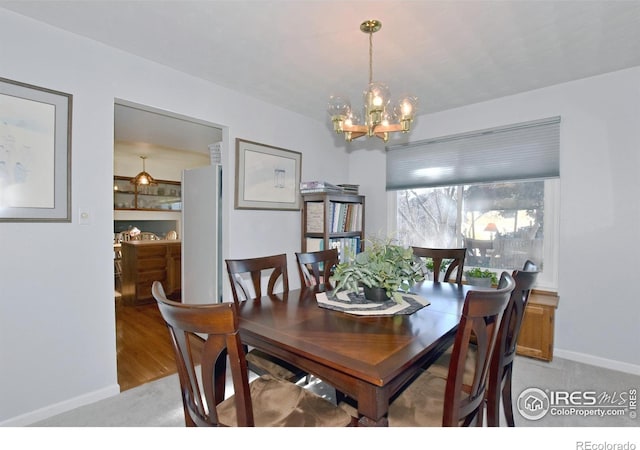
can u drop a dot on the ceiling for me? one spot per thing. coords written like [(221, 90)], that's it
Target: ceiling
[(136, 124), (296, 53)]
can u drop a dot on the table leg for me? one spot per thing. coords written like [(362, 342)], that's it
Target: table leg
[(373, 405), (367, 422)]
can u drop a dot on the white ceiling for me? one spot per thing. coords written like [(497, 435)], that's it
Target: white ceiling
[(135, 124), (296, 53)]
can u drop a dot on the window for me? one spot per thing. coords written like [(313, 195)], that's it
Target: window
[(501, 224), (492, 191)]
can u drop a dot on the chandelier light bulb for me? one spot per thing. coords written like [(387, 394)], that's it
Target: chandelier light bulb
[(339, 106), (407, 108)]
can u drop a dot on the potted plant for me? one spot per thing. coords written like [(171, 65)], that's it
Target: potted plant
[(479, 277), (383, 267), (428, 266)]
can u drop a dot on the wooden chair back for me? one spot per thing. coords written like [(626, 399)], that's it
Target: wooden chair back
[(123, 236), (505, 351), (218, 323), (438, 255), (255, 267), (481, 317), (316, 268)]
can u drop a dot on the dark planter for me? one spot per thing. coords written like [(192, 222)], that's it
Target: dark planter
[(375, 294)]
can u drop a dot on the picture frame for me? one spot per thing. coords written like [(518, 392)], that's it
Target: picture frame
[(35, 153), (267, 177)]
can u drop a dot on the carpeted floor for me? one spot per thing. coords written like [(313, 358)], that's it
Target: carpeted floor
[(158, 404)]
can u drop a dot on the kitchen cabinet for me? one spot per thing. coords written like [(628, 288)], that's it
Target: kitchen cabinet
[(144, 262), (163, 196)]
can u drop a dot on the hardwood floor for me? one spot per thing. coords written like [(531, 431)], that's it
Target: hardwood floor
[(143, 345)]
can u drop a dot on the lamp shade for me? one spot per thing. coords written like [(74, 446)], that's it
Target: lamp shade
[(143, 178), (491, 227)]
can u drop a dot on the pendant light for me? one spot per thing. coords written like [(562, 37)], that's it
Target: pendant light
[(143, 178)]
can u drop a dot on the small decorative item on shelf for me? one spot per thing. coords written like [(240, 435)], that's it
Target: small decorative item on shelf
[(382, 265), (480, 278)]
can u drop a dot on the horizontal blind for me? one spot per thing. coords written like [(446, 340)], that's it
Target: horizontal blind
[(522, 151)]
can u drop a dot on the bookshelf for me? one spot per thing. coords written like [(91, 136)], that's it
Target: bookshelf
[(333, 220)]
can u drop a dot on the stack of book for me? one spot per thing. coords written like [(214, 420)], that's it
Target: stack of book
[(350, 188), (307, 187)]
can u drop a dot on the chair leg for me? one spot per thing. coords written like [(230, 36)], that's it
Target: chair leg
[(506, 397), (493, 402)]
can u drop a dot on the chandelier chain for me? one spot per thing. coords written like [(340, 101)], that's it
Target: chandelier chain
[(370, 57)]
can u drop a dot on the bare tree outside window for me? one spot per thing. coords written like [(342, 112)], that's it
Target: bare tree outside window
[(501, 224)]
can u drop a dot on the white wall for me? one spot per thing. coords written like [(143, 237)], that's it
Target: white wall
[(597, 319), (57, 328)]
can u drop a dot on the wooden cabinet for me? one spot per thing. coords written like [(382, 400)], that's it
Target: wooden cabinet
[(164, 196), (537, 331), (144, 262), (333, 221)]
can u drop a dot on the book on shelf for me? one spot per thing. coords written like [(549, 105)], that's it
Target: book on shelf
[(347, 247), (315, 217), (345, 217), (315, 244)]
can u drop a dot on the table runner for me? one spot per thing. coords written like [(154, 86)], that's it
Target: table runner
[(352, 303)]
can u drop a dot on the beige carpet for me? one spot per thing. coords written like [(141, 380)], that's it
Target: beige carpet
[(158, 404)]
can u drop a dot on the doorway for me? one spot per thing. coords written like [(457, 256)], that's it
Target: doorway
[(169, 143)]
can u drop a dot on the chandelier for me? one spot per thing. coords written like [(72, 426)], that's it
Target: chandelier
[(143, 178), (379, 119)]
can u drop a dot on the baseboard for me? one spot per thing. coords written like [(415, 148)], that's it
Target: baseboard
[(59, 408), (597, 361)]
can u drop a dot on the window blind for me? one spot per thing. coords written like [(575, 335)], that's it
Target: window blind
[(528, 150)]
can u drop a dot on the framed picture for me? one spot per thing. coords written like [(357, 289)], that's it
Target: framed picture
[(35, 153), (267, 177)]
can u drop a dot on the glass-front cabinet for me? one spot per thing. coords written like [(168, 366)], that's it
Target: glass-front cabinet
[(163, 196)]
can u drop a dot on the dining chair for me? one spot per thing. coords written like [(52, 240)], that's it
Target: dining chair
[(438, 255), (501, 368), (433, 401), (265, 402), (242, 289), (315, 268), (123, 236)]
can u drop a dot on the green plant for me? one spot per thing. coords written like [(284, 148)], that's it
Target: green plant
[(383, 264), (443, 266), (477, 272)]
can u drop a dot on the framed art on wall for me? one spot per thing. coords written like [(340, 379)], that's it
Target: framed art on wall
[(267, 177), (35, 153)]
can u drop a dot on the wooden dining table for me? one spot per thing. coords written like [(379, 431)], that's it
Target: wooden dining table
[(368, 358)]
